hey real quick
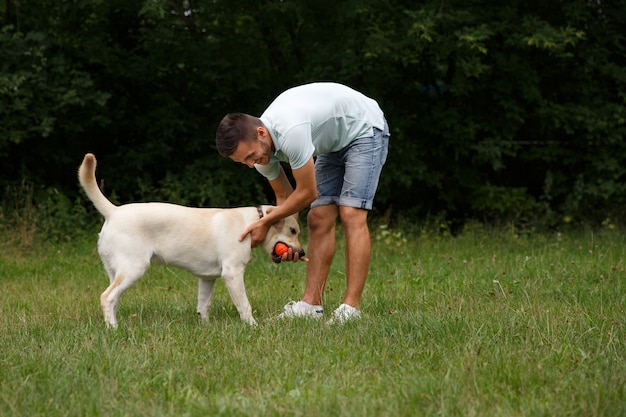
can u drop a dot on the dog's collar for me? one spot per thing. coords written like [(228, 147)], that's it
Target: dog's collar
[(260, 210)]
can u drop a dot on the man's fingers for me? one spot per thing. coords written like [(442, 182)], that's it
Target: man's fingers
[(293, 256), (244, 234)]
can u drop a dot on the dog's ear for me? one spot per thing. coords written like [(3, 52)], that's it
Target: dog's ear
[(279, 224)]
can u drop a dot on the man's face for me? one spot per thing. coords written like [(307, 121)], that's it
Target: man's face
[(252, 152)]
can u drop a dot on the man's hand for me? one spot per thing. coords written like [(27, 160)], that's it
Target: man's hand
[(257, 231), (293, 256)]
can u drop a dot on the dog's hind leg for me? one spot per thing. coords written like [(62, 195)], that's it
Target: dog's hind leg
[(233, 278), (205, 296), (109, 299)]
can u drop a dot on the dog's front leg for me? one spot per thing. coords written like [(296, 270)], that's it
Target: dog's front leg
[(205, 296), (233, 278)]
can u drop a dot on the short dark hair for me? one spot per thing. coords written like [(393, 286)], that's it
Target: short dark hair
[(234, 128)]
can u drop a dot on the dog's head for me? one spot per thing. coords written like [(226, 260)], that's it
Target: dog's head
[(284, 231)]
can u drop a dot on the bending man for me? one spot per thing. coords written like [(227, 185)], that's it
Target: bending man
[(335, 140)]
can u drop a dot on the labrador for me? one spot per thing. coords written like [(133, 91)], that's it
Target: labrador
[(203, 241)]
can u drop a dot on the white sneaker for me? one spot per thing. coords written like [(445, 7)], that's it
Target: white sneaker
[(301, 309), (343, 314)]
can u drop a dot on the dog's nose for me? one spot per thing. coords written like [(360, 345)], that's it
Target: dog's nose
[(301, 253)]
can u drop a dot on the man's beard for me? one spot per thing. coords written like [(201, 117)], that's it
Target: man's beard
[(267, 150)]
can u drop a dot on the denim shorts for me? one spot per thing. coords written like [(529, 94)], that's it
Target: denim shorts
[(350, 177)]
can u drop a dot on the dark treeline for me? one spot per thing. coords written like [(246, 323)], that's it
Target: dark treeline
[(507, 111)]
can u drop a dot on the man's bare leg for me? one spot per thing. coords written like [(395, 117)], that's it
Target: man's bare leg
[(358, 252), (321, 222)]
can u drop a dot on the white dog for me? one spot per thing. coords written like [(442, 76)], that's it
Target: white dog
[(203, 241)]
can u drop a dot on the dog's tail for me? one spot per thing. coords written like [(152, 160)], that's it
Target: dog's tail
[(87, 178)]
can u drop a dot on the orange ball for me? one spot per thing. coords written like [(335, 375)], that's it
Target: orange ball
[(281, 249)]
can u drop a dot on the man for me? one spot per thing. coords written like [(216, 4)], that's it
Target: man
[(347, 134)]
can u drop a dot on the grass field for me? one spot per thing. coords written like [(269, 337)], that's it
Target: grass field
[(484, 324)]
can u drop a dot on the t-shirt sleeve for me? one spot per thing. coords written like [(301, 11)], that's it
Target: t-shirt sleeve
[(297, 145), (296, 148), (271, 170)]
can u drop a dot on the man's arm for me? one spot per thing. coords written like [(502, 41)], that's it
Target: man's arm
[(289, 200), (282, 187)]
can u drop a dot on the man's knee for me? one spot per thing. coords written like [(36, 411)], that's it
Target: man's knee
[(322, 217), (352, 217)]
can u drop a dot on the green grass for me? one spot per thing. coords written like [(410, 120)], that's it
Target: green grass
[(485, 324)]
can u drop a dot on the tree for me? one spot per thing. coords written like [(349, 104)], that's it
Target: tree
[(512, 112)]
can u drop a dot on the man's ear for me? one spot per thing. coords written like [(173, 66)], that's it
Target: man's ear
[(262, 132)]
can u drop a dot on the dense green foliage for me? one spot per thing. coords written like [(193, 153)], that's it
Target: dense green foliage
[(512, 112)]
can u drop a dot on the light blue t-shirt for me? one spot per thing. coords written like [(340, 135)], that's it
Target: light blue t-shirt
[(317, 118)]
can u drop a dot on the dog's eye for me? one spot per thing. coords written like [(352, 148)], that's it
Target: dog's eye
[(293, 231)]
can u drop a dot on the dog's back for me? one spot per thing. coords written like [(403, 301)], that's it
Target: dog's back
[(196, 239), (87, 178)]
